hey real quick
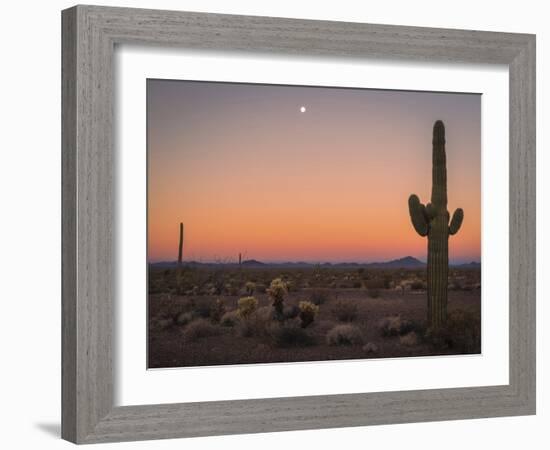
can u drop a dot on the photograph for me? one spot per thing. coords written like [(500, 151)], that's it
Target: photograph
[(292, 223)]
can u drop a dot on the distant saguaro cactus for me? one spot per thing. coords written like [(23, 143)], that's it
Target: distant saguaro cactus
[(180, 248), (432, 220)]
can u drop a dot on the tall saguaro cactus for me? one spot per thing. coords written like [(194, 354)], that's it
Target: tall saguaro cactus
[(432, 220), (180, 247)]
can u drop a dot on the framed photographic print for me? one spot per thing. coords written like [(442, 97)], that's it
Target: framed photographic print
[(305, 210)]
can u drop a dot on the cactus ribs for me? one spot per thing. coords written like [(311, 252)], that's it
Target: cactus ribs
[(432, 220)]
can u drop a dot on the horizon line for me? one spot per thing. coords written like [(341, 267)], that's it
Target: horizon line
[(301, 261)]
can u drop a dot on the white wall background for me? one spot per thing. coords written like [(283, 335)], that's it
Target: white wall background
[(30, 236)]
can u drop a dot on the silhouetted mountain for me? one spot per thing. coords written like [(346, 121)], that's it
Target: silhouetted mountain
[(408, 262), (470, 265), (252, 263)]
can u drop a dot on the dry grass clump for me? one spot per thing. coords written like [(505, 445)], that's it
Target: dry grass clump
[(289, 334), (344, 335), (390, 326), (200, 328), (409, 339), (396, 326), (256, 323), (345, 310), (184, 318), (370, 347)]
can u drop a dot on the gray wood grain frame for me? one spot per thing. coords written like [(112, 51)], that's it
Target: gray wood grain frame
[(89, 37)]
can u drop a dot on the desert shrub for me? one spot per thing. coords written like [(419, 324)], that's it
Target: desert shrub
[(289, 335), (461, 332), (357, 284), (344, 335), (319, 296), (246, 306), (255, 324), (370, 347), (373, 292), (230, 318), (201, 308), (199, 329), (217, 310), (250, 287), (308, 312), (408, 326), (184, 318), (345, 310), (161, 323), (396, 326), (417, 285), (410, 339), (455, 286), (391, 326)]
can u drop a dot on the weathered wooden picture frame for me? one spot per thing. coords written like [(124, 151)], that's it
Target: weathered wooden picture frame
[(90, 34)]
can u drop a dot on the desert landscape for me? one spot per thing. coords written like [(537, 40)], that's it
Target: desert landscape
[(212, 314), (310, 223)]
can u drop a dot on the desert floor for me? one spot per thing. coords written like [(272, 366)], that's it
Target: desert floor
[(194, 330)]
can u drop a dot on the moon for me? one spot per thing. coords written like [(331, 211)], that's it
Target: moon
[(302, 109)]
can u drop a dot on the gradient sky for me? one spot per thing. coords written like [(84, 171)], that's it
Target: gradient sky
[(246, 171)]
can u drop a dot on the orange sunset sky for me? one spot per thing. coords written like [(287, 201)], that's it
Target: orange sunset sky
[(246, 171)]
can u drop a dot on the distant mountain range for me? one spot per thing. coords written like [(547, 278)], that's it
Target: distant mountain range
[(408, 262)]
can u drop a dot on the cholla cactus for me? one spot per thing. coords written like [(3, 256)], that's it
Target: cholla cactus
[(308, 312), (246, 306), (432, 220), (277, 291)]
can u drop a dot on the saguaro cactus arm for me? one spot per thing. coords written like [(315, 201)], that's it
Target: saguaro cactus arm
[(419, 217), (456, 221)]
